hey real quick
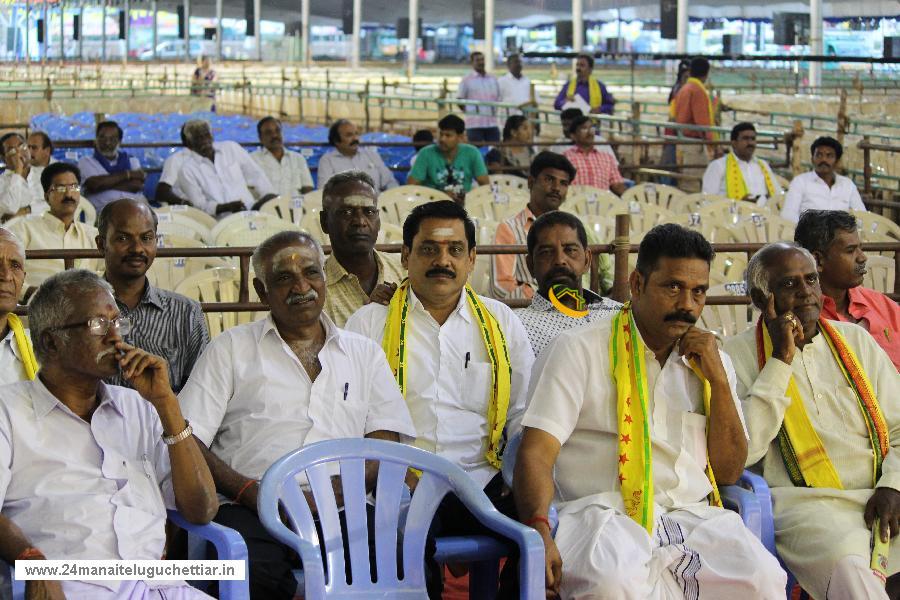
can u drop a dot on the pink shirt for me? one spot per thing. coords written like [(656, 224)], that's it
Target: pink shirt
[(877, 313), (597, 169)]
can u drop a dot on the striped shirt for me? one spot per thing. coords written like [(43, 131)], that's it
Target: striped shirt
[(168, 325), (596, 169), (344, 293), (510, 276), (485, 88)]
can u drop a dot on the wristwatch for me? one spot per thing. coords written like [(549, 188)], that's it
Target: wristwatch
[(171, 440)]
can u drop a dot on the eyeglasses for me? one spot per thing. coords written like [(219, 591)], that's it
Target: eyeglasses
[(100, 325), (62, 189)]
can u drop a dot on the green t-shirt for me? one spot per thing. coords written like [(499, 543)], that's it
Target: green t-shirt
[(431, 168)]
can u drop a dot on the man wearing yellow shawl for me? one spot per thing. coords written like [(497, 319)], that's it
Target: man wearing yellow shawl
[(822, 405), (584, 90), (462, 361), (693, 106), (17, 362), (631, 424), (738, 175)]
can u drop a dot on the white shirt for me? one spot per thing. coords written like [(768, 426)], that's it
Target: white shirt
[(366, 159), (91, 167), (208, 184), (12, 369), (172, 170), (82, 490), (288, 176), (714, 177), (449, 378), (573, 398), (17, 192), (516, 91), (809, 191), (250, 399)]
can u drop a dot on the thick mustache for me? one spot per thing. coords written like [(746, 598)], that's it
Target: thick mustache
[(135, 256), (301, 298), (681, 316), (102, 354), (438, 271), (560, 273)]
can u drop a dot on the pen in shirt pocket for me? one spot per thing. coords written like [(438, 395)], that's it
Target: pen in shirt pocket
[(887, 334), (346, 390), (468, 356)]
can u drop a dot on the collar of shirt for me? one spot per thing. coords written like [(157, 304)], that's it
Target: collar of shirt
[(191, 155), (44, 401), (332, 332), (10, 339), (416, 304), (55, 222), (860, 306), (579, 150), (335, 271), (150, 295)]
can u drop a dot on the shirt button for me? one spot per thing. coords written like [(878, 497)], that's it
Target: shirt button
[(818, 396)]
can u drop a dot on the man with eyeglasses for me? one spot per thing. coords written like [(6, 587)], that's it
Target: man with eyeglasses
[(17, 362), (87, 470), (57, 228), (110, 173), (20, 183), (166, 324)]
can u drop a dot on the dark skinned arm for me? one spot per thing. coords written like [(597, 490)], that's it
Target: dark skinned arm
[(124, 181)]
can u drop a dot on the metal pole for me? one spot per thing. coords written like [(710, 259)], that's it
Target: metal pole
[(187, 31), (45, 45), (127, 22), (257, 12), (62, 33), (304, 35), (155, 28), (577, 25), (681, 44), (27, 33), (103, 35), (80, 32), (815, 42), (413, 47), (488, 35), (219, 30), (354, 39)]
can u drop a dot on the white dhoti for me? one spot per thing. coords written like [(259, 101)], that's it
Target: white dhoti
[(131, 590), (823, 540), (695, 553)]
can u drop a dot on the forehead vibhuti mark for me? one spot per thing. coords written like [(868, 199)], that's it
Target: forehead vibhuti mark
[(358, 201)]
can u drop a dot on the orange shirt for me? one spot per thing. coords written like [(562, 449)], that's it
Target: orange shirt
[(876, 313), (692, 108)]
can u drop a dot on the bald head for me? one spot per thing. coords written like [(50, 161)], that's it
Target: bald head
[(785, 276)]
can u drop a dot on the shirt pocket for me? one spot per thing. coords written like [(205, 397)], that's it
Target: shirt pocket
[(351, 408), (143, 491), (477, 388), (693, 437)]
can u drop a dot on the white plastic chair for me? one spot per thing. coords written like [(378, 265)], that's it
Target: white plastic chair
[(190, 212), (496, 202), (253, 233), (218, 284), (880, 274), (390, 234), (311, 224), (764, 229), (652, 193), (86, 213), (690, 203), (869, 223), (509, 182), (240, 221), (726, 320), (586, 200), (285, 208), (181, 224), (645, 216)]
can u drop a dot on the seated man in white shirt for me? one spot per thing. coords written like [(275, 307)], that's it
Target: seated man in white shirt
[(167, 189), (41, 148), (615, 429), (468, 361), (348, 156), (822, 188), (17, 362), (738, 175), (301, 378), (87, 470), (217, 177), (20, 184), (287, 170), (110, 173)]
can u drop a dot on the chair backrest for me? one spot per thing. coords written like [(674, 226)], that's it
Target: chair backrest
[(729, 212), (285, 208), (390, 234), (587, 201), (765, 228), (396, 203), (86, 213), (253, 232), (312, 199), (645, 216), (727, 266), (182, 230), (205, 219), (168, 273), (311, 224), (601, 229), (316, 463), (872, 223), (652, 193), (218, 284), (507, 182), (183, 224), (495, 202), (775, 203), (880, 274), (690, 203), (727, 319)]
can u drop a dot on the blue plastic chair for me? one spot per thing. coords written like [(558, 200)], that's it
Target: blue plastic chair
[(228, 543), (279, 489)]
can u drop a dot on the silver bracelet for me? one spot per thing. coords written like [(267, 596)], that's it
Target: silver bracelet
[(171, 440)]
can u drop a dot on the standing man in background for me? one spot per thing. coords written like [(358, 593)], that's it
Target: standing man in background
[(481, 121)]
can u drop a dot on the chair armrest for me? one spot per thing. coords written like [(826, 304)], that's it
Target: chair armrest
[(469, 548), (8, 575), (743, 502), (229, 546), (760, 488)]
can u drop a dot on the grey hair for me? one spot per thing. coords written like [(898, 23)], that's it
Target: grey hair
[(191, 128), (345, 178), (757, 277), (283, 238), (53, 304), (8, 236)]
